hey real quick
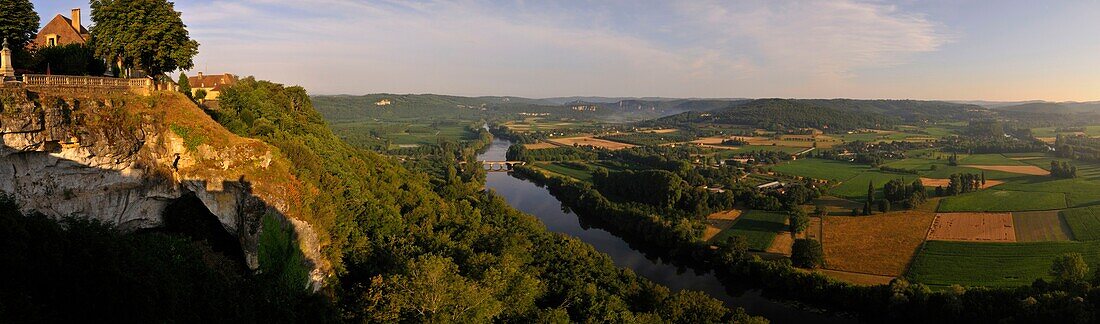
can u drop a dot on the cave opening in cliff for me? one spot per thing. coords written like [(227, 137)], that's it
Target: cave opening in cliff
[(189, 217)]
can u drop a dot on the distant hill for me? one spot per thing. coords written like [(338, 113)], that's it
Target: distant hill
[(831, 115), (1038, 107)]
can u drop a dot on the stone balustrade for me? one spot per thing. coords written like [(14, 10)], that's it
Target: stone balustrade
[(86, 81)]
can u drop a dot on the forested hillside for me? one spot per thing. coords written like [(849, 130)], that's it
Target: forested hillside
[(410, 250), (830, 115)]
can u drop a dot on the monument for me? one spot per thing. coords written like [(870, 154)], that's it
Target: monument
[(6, 70)]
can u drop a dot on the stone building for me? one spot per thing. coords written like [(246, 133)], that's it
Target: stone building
[(62, 31), (212, 84)]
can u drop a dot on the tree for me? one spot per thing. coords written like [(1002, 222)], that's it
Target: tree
[(691, 306), (807, 253), (884, 205), (734, 249), (185, 85), (200, 94), (1069, 268), (19, 24), (798, 221), (147, 34), (71, 59), (432, 290)]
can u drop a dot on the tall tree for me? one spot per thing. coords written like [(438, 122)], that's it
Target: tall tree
[(1069, 267), (185, 85), (19, 24), (144, 34)]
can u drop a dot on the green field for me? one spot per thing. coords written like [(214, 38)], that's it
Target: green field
[(758, 227), (566, 170), (988, 159), (1084, 222), (943, 263), (398, 134), (1040, 226), (1051, 131), (1002, 201), (821, 169), (856, 187), (944, 171)]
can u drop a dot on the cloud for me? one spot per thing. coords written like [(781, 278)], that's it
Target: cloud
[(687, 48)]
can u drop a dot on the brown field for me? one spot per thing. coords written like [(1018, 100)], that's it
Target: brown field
[(933, 183), (861, 279), (1041, 226), (590, 141), (882, 244), (1026, 158), (839, 206), (539, 145), (661, 131), (1021, 169), (781, 244), (984, 227), (1048, 140), (720, 221)]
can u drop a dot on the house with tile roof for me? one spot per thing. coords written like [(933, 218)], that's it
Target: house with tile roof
[(62, 31), (212, 84)]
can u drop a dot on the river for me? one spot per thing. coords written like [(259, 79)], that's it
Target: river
[(529, 198)]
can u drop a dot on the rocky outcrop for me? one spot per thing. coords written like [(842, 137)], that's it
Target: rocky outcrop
[(122, 159)]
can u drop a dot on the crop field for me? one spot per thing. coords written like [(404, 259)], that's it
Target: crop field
[(932, 183), (988, 159), (980, 227), (856, 187), (720, 221), (1081, 191), (591, 141), (1020, 169), (1084, 223), (821, 169), (1052, 131), (539, 124), (993, 200), (539, 146), (758, 227), (943, 263), (567, 170), (881, 244), (650, 138), (1041, 226)]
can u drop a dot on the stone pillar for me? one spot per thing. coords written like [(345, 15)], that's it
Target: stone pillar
[(6, 70)]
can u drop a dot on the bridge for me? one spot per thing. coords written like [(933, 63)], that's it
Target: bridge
[(500, 166)]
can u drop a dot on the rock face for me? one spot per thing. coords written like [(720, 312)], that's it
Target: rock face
[(122, 159)]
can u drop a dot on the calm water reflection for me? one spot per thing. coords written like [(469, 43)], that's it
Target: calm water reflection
[(532, 199)]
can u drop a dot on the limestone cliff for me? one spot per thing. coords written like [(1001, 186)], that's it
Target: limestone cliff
[(122, 159)]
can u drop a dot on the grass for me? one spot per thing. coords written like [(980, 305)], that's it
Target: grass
[(758, 227), (403, 133), (821, 169), (943, 263), (1003, 201), (1040, 227), (1083, 222), (881, 244), (944, 171), (856, 187), (191, 138)]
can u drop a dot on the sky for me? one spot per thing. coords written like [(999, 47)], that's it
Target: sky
[(1002, 50)]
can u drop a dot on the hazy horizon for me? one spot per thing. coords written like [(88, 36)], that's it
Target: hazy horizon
[(929, 50)]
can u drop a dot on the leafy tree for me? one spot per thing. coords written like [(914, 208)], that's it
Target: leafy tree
[(799, 221), (18, 23), (185, 85), (734, 249), (146, 34), (1069, 268), (691, 306), (807, 253), (884, 205), (71, 59), (200, 94)]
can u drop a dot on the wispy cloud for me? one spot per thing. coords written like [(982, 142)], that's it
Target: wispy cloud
[(689, 48)]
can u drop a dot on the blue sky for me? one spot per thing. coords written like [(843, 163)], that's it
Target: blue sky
[(938, 49)]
